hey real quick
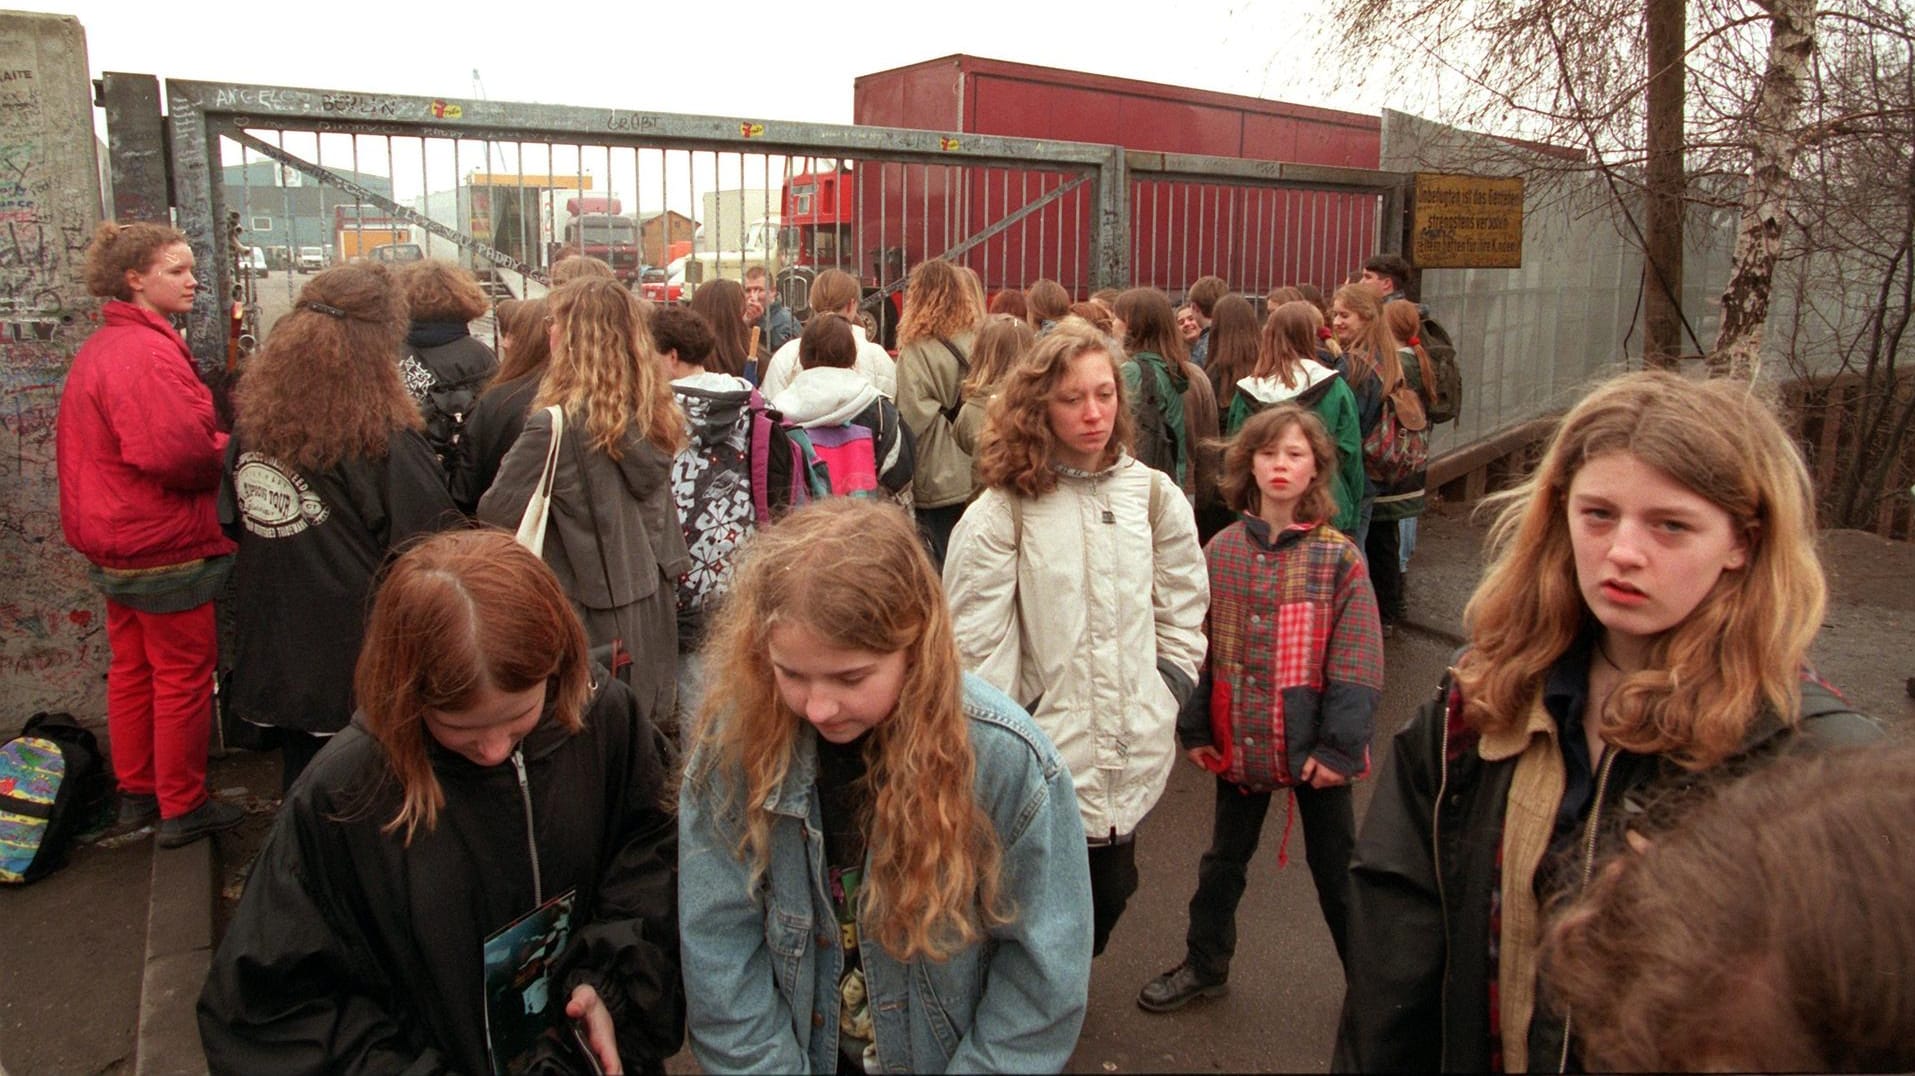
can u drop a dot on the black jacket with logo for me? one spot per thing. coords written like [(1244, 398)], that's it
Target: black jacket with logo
[(353, 951)]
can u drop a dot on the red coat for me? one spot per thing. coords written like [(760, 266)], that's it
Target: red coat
[(139, 453)]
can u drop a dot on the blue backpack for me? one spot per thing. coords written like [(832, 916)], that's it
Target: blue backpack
[(53, 782)]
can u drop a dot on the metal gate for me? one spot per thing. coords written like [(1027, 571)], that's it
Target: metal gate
[(323, 177)]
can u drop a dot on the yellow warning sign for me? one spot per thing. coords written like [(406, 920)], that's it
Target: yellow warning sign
[(1467, 222)]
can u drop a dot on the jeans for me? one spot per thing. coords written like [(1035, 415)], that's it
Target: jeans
[(1363, 512), (1329, 836), (1406, 538), (159, 702), (1386, 573)]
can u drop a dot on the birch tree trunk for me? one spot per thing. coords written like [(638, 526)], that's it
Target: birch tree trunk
[(1773, 145)]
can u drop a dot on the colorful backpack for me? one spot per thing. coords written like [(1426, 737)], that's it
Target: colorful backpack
[(53, 782), (1398, 446), (850, 457)]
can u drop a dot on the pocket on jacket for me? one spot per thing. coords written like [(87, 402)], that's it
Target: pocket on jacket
[(786, 936)]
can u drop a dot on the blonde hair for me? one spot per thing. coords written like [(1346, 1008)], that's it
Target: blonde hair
[(938, 301), (854, 573), (1742, 648), (1002, 340), (1372, 354), (605, 368)]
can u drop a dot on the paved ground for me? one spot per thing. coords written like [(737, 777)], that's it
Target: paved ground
[(70, 995)]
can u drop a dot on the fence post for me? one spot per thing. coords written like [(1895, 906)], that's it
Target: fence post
[(1110, 240), (136, 147)]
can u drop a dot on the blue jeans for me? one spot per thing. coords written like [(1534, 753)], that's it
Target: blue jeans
[(1406, 542)]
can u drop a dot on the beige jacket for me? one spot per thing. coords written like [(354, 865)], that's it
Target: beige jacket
[(1085, 605)]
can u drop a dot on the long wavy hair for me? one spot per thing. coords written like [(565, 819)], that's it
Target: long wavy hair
[(1002, 340), (1373, 352), (460, 612), (1741, 649), (1233, 347), (524, 321), (937, 302), (1406, 325), (722, 303), (1289, 337), (1150, 324), (326, 386), (854, 574), (1014, 450), (605, 370)]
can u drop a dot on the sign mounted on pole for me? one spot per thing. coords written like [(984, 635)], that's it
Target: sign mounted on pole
[(1467, 222)]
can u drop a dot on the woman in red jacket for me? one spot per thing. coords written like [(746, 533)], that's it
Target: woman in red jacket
[(139, 459)]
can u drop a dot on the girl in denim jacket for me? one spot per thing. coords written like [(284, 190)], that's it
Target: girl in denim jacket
[(881, 856)]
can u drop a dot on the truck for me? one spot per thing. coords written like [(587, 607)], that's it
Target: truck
[(876, 221), (534, 220), (594, 228), (357, 229)]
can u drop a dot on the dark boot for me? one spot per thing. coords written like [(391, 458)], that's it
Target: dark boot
[(1176, 988)]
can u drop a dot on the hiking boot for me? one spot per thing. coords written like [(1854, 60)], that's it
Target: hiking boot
[(209, 817), (134, 812), (1175, 988)]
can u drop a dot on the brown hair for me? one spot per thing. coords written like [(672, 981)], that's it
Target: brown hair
[(1046, 300), (459, 612), (1204, 293), (524, 321), (605, 370), (1097, 314), (1289, 337), (118, 249), (1000, 343), (832, 291), (1150, 324), (722, 302), (1014, 450), (938, 301), (326, 386), (1406, 325), (827, 341), (1314, 296), (580, 267), (1281, 295), (1373, 353), (1233, 348), (757, 272), (1266, 427), (1768, 931), (1010, 301), (441, 291), (680, 329), (1741, 649), (933, 885)]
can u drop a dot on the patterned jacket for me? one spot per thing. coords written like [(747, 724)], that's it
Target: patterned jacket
[(1295, 664)]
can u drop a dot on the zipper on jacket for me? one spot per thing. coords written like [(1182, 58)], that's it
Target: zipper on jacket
[(1590, 830), (531, 840), (1442, 899)]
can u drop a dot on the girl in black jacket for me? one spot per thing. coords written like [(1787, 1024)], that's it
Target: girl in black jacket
[(481, 870)]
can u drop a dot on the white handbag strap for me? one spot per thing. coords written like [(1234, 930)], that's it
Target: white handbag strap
[(538, 510)]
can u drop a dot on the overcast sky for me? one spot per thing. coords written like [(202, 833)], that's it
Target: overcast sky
[(749, 59)]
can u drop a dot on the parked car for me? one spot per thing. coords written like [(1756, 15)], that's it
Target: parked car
[(310, 259), (397, 253), (255, 260)]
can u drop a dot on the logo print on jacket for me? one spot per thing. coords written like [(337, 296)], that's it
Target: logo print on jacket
[(274, 501)]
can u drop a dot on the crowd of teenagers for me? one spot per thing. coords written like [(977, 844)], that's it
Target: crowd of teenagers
[(696, 673)]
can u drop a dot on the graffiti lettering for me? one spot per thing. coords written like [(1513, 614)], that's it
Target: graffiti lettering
[(265, 97), (358, 104), (631, 121)]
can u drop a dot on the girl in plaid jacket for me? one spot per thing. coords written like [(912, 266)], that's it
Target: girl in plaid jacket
[(1289, 686)]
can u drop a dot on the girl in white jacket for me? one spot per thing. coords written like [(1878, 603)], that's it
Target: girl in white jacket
[(1078, 588)]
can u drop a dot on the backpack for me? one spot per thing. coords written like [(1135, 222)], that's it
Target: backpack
[(445, 392), (850, 457), (53, 783), (964, 370), (1398, 446), (1442, 379), (1156, 444), (726, 489)]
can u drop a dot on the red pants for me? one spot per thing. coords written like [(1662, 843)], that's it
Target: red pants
[(159, 702)]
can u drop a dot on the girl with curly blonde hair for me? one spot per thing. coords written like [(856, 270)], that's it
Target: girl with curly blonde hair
[(613, 538), (1642, 631), (330, 471), (868, 834), (1077, 587)]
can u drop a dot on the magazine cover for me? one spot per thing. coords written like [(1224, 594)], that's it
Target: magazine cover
[(519, 960)]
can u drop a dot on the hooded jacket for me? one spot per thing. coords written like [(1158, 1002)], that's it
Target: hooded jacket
[(1326, 393), (137, 447), (712, 487), (1449, 851), (353, 951), (445, 369), (1171, 386), (495, 422), (873, 361), (1086, 606), (828, 396)]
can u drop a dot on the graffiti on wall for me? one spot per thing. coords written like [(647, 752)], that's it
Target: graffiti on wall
[(52, 631)]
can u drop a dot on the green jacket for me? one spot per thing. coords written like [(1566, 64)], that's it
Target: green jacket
[(1170, 389), (1324, 392)]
